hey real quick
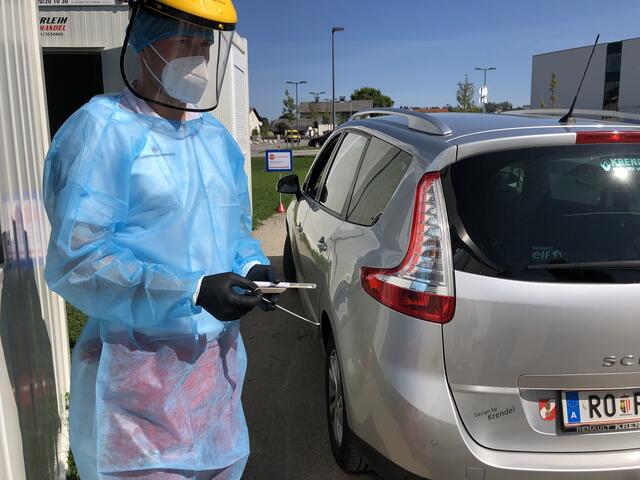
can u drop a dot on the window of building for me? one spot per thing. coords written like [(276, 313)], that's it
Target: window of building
[(612, 76)]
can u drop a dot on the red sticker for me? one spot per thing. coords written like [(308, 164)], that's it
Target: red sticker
[(548, 410)]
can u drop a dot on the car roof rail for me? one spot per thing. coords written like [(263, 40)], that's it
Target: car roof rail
[(559, 112), (422, 122)]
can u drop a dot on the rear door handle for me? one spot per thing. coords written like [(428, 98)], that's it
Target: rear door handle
[(299, 228), (322, 246)]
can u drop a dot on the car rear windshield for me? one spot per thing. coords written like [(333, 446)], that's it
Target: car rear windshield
[(553, 214)]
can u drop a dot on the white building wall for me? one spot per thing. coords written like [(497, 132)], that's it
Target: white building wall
[(630, 77), (254, 122), (233, 109), (34, 352), (569, 65)]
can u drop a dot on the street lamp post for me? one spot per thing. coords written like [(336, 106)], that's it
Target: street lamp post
[(297, 108), (484, 85), (316, 95), (333, 73)]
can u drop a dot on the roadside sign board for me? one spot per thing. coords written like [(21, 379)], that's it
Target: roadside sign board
[(279, 160), (484, 94)]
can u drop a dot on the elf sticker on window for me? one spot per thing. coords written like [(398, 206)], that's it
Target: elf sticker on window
[(545, 254)]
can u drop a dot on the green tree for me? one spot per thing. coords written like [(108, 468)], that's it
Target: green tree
[(279, 126), (289, 107), (553, 89), (464, 95), (370, 93)]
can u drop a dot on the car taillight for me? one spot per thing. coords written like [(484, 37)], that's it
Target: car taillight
[(422, 285), (607, 137)]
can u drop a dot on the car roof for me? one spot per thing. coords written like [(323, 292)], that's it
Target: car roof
[(466, 128)]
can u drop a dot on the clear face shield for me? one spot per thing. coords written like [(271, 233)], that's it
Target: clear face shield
[(173, 62)]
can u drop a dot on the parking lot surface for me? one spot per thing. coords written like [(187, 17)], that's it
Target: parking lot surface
[(284, 389)]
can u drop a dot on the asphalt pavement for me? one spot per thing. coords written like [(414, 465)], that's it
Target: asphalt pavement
[(283, 393)]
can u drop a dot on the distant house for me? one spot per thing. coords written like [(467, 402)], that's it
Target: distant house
[(318, 113), (431, 110), (255, 121)]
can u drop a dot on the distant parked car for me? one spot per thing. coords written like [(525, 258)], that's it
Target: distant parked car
[(291, 136), (478, 293), (319, 141)]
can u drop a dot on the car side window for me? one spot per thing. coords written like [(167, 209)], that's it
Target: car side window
[(382, 170), (314, 178), (337, 186)]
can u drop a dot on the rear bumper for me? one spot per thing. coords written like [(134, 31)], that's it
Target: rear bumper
[(452, 454), (400, 405), (525, 471)]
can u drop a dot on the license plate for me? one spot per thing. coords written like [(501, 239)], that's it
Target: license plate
[(601, 411)]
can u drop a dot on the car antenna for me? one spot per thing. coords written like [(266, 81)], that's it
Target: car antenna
[(568, 118)]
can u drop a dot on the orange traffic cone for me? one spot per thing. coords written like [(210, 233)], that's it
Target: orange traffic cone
[(281, 208)]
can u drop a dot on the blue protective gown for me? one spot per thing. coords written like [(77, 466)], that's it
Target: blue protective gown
[(141, 208)]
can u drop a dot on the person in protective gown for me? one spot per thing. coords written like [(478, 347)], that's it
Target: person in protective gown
[(151, 238)]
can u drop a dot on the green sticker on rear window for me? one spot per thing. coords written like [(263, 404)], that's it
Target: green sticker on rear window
[(624, 163)]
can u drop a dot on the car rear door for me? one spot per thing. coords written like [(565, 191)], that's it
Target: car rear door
[(3, 260), (546, 245), (310, 190), (326, 214)]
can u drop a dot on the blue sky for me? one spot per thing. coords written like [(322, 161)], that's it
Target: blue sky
[(416, 50)]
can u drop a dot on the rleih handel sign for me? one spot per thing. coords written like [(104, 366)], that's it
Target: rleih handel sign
[(53, 25), (82, 3)]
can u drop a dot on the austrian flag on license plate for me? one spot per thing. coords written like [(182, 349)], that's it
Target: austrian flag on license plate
[(601, 411)]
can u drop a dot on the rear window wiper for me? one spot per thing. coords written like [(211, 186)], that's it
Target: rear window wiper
[(621, 265)]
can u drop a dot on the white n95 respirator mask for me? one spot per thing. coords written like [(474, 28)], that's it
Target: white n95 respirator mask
[(183, 78)]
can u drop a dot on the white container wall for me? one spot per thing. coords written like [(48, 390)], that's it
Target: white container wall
[(34, 352), (233, 110)]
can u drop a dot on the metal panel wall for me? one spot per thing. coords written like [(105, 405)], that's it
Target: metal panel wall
[(34, 352), (83, 27), (241, 110), (235, 95), (568, 65)]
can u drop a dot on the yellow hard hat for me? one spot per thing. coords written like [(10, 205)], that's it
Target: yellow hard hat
[(216, 14)]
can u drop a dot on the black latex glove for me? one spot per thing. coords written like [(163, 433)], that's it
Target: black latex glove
[(218, 297), (265, 273)]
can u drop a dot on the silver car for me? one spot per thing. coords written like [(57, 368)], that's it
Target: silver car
[(478, 293)]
